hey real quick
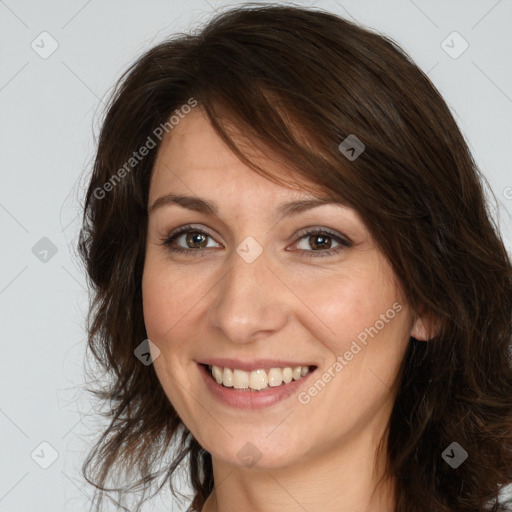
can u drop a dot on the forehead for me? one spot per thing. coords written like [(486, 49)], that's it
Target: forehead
[(193, 162), (193, 158)]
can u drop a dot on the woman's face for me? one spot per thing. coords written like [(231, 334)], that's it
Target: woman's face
[(252, 291)]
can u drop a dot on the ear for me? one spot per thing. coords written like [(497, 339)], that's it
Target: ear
[(424, 327)]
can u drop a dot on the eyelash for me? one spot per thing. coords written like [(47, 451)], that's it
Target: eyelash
[(344, 243)]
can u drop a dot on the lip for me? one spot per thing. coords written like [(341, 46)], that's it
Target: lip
[(250, 399), (255, 364)]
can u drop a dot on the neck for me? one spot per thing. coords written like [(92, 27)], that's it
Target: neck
[(342, 478)]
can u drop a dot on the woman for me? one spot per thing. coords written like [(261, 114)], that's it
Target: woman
[(297, 287)]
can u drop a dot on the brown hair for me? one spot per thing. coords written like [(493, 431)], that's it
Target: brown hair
[(272, 71)]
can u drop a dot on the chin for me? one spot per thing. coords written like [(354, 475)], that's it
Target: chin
[(258, 451)]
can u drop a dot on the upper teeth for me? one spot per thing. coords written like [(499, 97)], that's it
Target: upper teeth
[(257, 379)]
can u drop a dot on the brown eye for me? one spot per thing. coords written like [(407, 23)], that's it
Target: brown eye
[(196, 239), (187, 240), (319, 243)]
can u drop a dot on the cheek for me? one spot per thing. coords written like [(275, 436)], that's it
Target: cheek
[(367, 337), (166, 298), (347, 305), (164, 310), (156, 304)]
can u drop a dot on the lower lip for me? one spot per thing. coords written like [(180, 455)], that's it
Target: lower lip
[(250, 399)]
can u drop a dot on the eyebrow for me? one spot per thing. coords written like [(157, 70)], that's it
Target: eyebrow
[(209, 208)]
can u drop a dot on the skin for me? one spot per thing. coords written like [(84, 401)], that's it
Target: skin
[(286, 305)]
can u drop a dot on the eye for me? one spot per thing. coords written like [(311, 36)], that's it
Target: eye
[(190, 236), (319, 239)]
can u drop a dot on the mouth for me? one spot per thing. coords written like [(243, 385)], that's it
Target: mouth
[(259, 380)]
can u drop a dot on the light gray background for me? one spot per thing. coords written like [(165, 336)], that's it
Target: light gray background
[(50, 109)]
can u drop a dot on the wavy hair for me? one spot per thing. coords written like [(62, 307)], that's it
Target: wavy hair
[(296, 82)]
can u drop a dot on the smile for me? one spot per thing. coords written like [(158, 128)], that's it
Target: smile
[(256, 380)]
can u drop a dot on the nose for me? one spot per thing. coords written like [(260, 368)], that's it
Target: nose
[(250, 301)]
